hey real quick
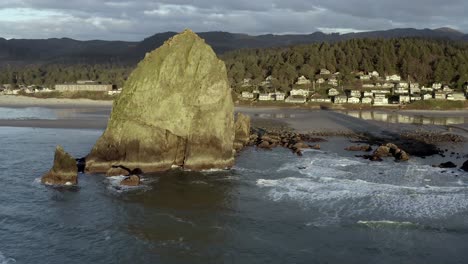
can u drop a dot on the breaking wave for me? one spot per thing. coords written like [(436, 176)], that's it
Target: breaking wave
[(5, 260)]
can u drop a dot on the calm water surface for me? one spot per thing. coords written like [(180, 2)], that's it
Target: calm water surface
[(273, 207)]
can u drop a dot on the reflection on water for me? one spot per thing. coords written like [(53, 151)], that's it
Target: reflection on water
[(43, 113), (394, 117), (275, 115), (27, 113)]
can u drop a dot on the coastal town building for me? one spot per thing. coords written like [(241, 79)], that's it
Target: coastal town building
[(427, 89), (401, 90), (427, 96), (320, 80), (374, 74), (380, 99), (84, 86), (415, 90), (367, 100), (415, 98), (333, 82), (456, 97), (402, 85), (247, 95), (265, 97), (393, 78), (247, 82), (340, 99), (296, 99), (355, 93), (325, 72), (404, 99), (299, 92), (436, 86), (388, 85), (333, 92), (368, 85), (364, 77), (320, 100), (368, 94), (440, 96), (303, 80), (447, 89), (279, 96), (375, 92), (353, 100)]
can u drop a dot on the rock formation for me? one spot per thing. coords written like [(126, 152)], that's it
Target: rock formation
[(132, 180), (175, 109), (64, 170), (390, 150), (465, 166), (242, 131)]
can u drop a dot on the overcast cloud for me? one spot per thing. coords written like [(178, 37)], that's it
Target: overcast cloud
[(135, 20)]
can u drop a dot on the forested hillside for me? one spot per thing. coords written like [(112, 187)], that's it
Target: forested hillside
[(424, 61)]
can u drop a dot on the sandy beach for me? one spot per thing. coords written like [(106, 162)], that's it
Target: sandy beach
[(22, 101)]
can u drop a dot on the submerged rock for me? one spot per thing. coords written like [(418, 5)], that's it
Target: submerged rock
[(359, 148), (242, 131), (446, 165), (175, 109), (390, 150), (64, 171), (132, 180)]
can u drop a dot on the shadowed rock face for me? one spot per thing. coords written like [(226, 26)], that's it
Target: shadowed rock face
[(64, 171), (175, 109), (242, 131)]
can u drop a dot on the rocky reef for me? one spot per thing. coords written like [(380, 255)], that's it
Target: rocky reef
[(175, 110), (64, 170)]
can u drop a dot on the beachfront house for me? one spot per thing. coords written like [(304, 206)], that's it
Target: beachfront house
[(415, 90), (388, 85), (367, 100), (415, 98), (303, 80), (440, 96), (401, 90), (402, 85), (320, 100), (375, 92), (265, 97), (353, 100), (279, 96), (380, 99), (393, 78), (427, 89), (296, 99), (340, 99), (374, 74), (333, 92), (325, 72), (368, 94), (427, 96), (247, 95), (355, 93), (447, 89), (84, 86), (404, 99), (299, 92), (456, 97)]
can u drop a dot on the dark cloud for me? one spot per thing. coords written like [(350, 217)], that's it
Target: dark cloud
[(134, 20)]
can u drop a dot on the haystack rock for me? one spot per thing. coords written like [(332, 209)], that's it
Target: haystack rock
[(64, 171), (175, 109)]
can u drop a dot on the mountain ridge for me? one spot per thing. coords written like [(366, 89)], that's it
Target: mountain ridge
[(67, 50)]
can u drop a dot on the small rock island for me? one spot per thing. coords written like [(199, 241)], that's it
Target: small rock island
[(64, 170), (175, 110)]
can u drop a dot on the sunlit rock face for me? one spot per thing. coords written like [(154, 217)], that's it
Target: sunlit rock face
[(175, 109), (64, 170)]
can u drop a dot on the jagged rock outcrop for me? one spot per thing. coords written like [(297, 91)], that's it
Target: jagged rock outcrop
[(175, 109), (390, 150), (132, 180), (242, 131), (64, 170), (465, 166)]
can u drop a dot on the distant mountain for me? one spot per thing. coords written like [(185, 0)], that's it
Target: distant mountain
[(65, 50)]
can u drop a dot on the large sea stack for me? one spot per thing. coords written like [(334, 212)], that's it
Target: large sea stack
[(175, 109)]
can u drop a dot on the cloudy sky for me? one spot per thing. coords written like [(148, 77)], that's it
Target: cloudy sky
[(137, 19)]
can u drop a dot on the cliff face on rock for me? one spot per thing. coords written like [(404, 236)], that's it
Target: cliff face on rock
[(242, 131), (64, 170), (175, 110)]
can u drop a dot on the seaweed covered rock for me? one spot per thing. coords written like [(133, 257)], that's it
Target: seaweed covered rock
[(64, 170), (175, 109), (242, 131)]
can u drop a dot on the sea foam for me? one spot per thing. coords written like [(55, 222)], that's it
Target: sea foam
[(5, 260)]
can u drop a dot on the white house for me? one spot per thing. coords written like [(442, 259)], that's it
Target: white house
[(368, 94), (415, 98), (374, 74), (355, 93), (265, 97), (364, 77), (440, 96), (368, 85), (325, 72), (388, 85), (246, 82), (300, 92), (247, 95), (333, 82), (447, 89), (320, 80), (427, 96), (367, 100), (303, 80), (436, 86), (415, 90), (279, 96), (401, 90), (380, 100), (456, 97), (404, 99), (333, 92), (393, 78), (380, 92), (353, 100), (340, 99)]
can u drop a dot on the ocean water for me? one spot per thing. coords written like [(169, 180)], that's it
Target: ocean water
[(273, 207)]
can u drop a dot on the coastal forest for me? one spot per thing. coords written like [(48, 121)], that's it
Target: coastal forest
[(421, 60)]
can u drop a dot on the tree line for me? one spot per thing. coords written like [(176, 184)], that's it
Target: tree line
[(424, 61)]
